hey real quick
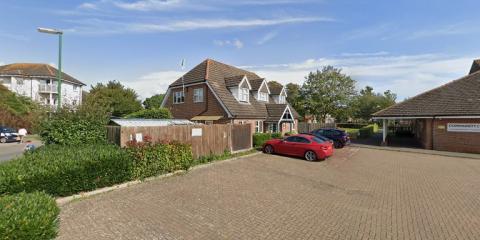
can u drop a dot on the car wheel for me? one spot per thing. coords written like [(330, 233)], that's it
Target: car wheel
[(310, 156), (3, 140), (268, 149)]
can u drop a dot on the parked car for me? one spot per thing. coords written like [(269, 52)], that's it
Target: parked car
[(300, 145), (8, 134), (340, 138)]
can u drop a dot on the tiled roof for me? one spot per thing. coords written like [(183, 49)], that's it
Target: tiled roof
[(220, 76), (233, 81), (35, 69), (457, 98), (275, 88), (275, 111), (256, 83)]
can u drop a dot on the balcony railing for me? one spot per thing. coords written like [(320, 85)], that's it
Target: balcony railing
[(48, 88)]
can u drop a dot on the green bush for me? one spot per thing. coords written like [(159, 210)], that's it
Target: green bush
[(28, 216), (352, 125), (260, 138), (153, 113), (153, 159), (352, 132), (73, 127), (276, 135), (64, 170), (367, 131)]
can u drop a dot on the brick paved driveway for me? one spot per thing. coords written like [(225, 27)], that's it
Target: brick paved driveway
[(357, 194)]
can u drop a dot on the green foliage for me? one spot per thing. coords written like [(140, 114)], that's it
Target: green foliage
[(351, 125), (28, 216), (260, 138), (328, 91), (18, 111), (369, 102), (118, 99), (154, 101), (353, 133), (73, 127), (154, 159), (226, 155), (295, 99), (367, 131), (64, 170), (151, 113)]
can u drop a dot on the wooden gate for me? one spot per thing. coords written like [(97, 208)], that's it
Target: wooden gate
[(241, 137)]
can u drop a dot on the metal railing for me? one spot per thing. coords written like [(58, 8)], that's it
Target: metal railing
[(48, 88)]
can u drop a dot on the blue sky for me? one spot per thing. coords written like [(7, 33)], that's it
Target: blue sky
[(407, 46)]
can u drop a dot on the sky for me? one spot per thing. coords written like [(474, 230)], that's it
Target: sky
[(406, 46)]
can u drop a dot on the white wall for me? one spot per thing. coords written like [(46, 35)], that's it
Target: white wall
[(30, 88)]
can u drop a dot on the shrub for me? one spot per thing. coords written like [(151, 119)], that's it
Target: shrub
[(352, 132), (73, 127), (260, 138), (153, 113), (64, 170), (153, 159), (28, 216), (277, 135), (366, 131), (352, 125)]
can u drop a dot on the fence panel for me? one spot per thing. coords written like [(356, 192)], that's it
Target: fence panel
[(113, 134), (205, 139), (241, 137), (304, 127)]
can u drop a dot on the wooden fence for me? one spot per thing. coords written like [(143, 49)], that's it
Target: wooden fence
[(304, 127), (205, 139)]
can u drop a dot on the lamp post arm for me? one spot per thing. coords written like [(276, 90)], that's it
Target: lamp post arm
[(59, 73)]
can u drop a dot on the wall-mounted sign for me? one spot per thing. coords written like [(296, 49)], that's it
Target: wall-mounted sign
[(196, 132), (441, 127), (463, 127), (138, 137)]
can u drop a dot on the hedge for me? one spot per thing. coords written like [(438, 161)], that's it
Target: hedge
[(368, 131), (152, 113), (260, 138), (65, 170), (351, 125), (28, 216), (152, 159)]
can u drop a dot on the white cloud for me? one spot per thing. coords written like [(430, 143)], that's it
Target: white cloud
[(448, 30), (149, 5), (153, 83), (87, 5), (405, 75), (267, 38), (235, 43), (98, 26)]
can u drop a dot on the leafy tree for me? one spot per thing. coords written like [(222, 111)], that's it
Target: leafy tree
[(154, 113), (369, 102), (154, 101), (328, 91), (114, 96), (295, 98)]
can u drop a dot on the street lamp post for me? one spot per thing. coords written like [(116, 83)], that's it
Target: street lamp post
[(59, 72)]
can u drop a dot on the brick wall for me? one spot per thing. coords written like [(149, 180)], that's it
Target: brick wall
[(187, 110), (423, 132), (455, 141)]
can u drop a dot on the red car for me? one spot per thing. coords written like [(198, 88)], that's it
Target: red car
[(302, 145)]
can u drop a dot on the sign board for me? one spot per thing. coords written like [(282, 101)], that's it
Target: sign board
[(441, 127), (139, 137), (463, 127), (196, 132)]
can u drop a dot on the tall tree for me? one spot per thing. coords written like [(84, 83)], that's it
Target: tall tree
[(154, 101), (295, 98), (114, 96), (328, 91), (369, 102)]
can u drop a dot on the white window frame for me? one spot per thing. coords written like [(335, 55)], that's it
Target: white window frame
[(262, 96), (178, 97), (244, 95), (198, 95), (258, 126), (282, 99)]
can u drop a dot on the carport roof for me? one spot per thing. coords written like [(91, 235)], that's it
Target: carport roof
[(138, 122), (460, 97)]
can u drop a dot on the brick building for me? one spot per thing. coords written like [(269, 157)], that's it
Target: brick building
[(446, 118), (214, 92)]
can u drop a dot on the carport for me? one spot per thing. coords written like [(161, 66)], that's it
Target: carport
[(445, 118)]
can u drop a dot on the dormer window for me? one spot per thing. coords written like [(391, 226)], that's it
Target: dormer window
[(282, 99), (244, 94), (263, 96)]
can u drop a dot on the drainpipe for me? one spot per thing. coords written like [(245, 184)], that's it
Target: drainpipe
[(385, 131)]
